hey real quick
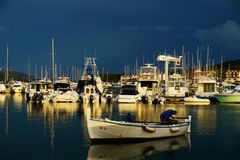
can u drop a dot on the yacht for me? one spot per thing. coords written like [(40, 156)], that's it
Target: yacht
[(2, 88), (110, 93), (90, 85), (39, 91), (148, 84), (176, 87), (206, 84), (233, 97), (63, 92), (129, 94), (17, 87)]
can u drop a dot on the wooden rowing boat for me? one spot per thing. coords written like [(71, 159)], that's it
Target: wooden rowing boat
[(106, 129)]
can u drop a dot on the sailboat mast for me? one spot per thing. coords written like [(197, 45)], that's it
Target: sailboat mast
[(221, 70), (53, 63), (7, 74), (207, 61), (29, 79)]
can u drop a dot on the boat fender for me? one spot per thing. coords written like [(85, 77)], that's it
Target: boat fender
[(175, 129), (148, 129)]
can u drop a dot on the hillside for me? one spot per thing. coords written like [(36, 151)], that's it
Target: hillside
[(14, 75), (232, 65)]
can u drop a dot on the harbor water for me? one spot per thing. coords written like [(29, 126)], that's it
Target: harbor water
[(58, 131)]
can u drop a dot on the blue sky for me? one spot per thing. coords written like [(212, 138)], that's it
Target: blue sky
[(118, 31)]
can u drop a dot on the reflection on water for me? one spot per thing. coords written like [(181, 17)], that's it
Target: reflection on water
[(137, 150), (52, 112), (2, 100), (206, 120), (18, 100)]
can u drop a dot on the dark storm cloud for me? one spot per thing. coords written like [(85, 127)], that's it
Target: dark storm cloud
[(163, 28), (226, 35), (114, 28)]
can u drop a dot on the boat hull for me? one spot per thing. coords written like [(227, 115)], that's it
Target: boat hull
[(105, 129), (228, 98), (196, 100)]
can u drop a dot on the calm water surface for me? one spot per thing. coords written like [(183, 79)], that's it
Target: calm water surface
[(58, 131)]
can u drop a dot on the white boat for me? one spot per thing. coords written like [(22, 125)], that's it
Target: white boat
[(110, 93), (129, 94), (63, 92), (195, 99), (226, 87), (2, 88), (39, 91), (206, 83), (90, 86), (106, 129), (17, 87), (148, 84), (140, 150), (233, 97), (176, 87)]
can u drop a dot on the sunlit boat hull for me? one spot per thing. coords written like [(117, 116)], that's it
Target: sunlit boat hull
[(196, 100), (105, 129)]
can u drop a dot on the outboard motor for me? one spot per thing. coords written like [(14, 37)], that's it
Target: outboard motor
[(144, 99)]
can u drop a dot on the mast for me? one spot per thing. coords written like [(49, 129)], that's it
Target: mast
[(29, 79), (53, 63), (197, 57), (207, 63), (7, 73), (221, 70)]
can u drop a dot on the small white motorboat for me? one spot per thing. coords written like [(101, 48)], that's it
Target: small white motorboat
[(106, 129), (194, 99)]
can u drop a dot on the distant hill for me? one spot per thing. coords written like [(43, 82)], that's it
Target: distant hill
[(232, 65), (19, 76)]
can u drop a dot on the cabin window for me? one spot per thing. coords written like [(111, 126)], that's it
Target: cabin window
[(209, 87), (38, 87), (87, 90), (146, 84)]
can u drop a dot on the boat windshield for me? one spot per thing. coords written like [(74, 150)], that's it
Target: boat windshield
[(129, 91)]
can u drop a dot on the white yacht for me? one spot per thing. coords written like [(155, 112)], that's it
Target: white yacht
[(206, 83), (129, 94), (110, 93), (148, 84), (63, 92), (17, 87), (2, 88), (176, 87), (39, 91)]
